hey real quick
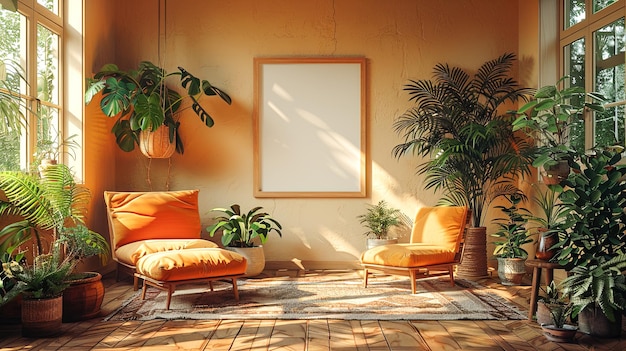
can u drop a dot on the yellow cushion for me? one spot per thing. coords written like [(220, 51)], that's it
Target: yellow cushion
[(131, 253), (136, 216), (440, 225), (408, 255), (190, 264)]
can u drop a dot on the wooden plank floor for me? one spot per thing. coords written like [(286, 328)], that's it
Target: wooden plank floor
[(311, 335)]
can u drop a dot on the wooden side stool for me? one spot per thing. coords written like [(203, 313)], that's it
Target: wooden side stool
[(537, 266)]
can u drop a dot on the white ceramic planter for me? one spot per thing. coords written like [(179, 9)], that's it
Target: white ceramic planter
[(255, 257)]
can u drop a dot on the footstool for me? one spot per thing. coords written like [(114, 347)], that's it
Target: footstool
[(167, 269)]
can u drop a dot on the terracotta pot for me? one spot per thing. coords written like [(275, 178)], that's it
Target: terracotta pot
[(544, 244), (554, 174), (157, 144), (83, 298), (255, 257), (42, 317), (565, 334), (511, 271), (373, 242)]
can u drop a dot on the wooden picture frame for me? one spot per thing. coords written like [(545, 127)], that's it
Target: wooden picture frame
[(309, 127)]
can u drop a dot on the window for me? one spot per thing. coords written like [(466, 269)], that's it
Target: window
[(592, 53), (31, 42)]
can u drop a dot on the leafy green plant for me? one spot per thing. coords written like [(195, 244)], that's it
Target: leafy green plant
[(45, 277), (549, 119), (141, 100), (240, 229), (594, 200), (11, 103), (600, 283), (81, 242), (473, 154), (512, 230), (552, 211), (45, 203), (560, 314), (379, 219)]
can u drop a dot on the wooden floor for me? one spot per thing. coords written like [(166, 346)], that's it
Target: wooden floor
[(300, 334)]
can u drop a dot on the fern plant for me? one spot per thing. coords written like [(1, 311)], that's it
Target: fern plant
[(599, 284)]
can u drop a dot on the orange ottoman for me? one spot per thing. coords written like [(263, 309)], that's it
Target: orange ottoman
[(167, 269)]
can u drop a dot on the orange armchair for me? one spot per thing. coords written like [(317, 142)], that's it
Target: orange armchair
[(156, 236), (436, 244)]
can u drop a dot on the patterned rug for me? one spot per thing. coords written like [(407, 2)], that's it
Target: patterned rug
[(325, 296)]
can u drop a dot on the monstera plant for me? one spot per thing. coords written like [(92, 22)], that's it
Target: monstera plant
[(142, 99)]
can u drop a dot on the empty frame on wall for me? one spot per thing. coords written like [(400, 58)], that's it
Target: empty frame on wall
[(309, 127)]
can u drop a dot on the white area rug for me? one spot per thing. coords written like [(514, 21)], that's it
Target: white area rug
[(325, 296)]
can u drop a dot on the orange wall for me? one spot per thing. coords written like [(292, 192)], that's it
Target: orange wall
[(217, 40)]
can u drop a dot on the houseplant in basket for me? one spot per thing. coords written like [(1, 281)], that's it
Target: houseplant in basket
[(245, 233), (83, 297), (50, 208), (41, 283), (378, 219), (472, 155), (143, 104), (592, 240), (550, 119), (511, 235)]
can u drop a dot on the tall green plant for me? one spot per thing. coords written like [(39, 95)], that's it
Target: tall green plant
[(594, 198), (473, 154)]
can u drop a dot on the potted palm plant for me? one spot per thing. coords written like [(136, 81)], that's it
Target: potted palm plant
[(511, 235), (245, 233), (472, 153), (142, 102), (379, 219), (591, 240), (549, 119)]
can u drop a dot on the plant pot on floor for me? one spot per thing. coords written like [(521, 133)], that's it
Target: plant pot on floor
[(255, 257), (373, 242), (565, 334), (511, 271), (592, 321), (83, 298), (42, 317)]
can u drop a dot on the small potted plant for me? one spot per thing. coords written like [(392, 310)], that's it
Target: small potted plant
[(378, 219), (512, 234), (559, 330), (549, 118), (245, 233), (145, 106), (552, 213), (83, 297), (41, 283)]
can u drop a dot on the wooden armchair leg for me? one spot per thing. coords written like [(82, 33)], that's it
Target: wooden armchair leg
[(365, 275), (451, 270), (413, 275)]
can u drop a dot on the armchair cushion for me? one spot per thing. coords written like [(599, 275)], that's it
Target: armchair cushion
[(131, 253), (137, 216), (408, 255), (190, 264)]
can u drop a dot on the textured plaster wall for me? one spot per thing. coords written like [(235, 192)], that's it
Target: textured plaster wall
[(217, 40)]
